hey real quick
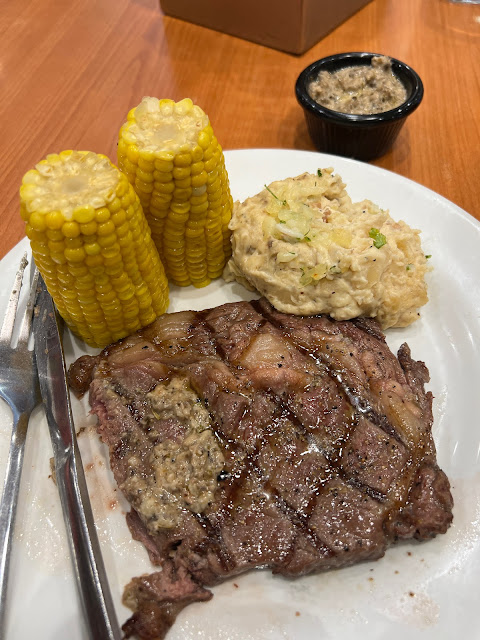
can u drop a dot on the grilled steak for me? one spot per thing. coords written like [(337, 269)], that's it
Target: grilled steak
[(244, 437)]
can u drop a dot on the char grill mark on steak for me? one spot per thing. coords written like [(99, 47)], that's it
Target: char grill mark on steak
[(406, 372), (299, 519), (326, 361), (233, 487), (357, 402), (358, 390), (334, 461), (417, 439), (328, 454), (213, 540)]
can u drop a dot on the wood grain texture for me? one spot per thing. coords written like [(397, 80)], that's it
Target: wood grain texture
[(71, 69)]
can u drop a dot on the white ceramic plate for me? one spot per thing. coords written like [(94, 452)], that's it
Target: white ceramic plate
[(421, 591)]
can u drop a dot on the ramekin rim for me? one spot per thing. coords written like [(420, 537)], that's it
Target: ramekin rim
[(400, 112)]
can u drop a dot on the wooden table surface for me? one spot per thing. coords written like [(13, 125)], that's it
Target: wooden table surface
[(71, 69)]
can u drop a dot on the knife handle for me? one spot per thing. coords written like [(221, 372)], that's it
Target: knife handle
[(91, 579)]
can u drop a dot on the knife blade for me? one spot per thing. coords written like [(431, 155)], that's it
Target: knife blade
[(90, 576)]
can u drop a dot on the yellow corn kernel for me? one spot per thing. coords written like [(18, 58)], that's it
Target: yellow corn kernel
[(173, 160), (93, 246)]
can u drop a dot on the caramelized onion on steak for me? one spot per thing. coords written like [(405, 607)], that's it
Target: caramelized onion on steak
[(244, 437)]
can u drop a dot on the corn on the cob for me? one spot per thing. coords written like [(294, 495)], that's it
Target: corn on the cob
[(92, 245), (173, 160)]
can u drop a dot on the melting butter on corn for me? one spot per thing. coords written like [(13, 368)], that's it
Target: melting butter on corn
[(172, 158), (92, 245)]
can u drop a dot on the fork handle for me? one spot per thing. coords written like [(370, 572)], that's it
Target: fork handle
[(8, 507)]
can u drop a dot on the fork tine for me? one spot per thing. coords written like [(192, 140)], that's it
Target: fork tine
[(9, 321), (27, 317)]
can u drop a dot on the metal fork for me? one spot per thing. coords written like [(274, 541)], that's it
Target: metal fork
[(19, 388)]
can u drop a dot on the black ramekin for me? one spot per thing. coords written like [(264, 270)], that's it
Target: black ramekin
[(364, 137)]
